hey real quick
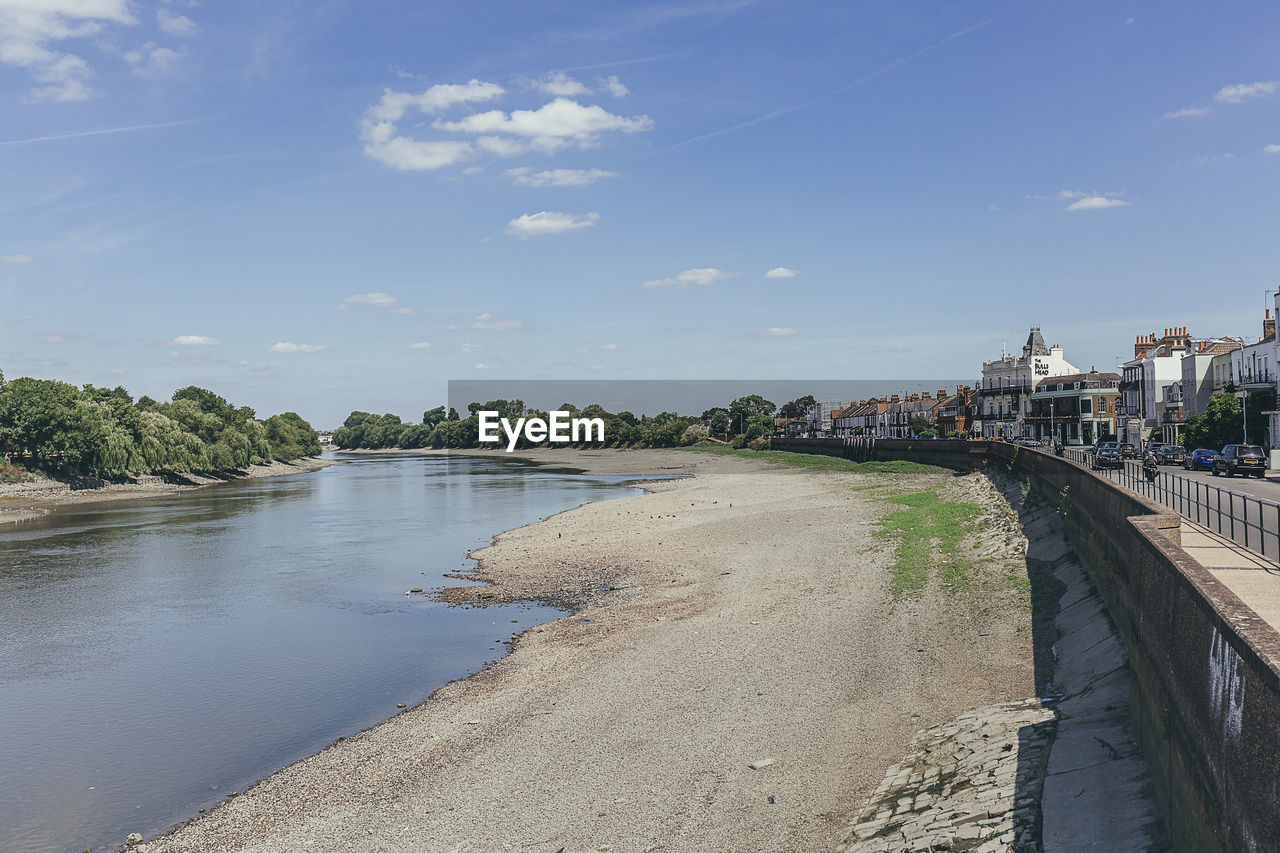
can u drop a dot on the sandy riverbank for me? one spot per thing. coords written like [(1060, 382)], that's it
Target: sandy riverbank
[(738, 617), (41, 495)]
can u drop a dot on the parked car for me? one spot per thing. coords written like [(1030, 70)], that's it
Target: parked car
[(1025, 441), (1200, 459), (1243, 459), (1108, 445), (1128, 451), (1107, 456), (1170, 454)]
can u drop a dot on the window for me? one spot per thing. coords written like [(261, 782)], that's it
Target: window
[(1086, 405)]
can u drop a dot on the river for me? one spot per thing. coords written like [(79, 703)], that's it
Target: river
[(156, 654)]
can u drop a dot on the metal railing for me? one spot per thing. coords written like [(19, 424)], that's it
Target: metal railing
[(1244, 519)]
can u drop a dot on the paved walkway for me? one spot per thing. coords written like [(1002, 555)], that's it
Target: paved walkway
[(1252, 577)]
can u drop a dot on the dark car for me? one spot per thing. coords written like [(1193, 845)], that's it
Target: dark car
[(1128, 451), (1170, 454), (1243, 459), (1107, 456), (1200, 459)]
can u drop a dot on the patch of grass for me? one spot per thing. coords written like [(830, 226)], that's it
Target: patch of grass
[(13, 474), (818, 462), (929, 531)]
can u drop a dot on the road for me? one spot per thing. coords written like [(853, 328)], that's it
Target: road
[(1244, 509)]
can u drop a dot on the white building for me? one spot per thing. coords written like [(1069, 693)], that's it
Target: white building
[(1004, 392), (820, 416), (1157, 363), (1206, 370)]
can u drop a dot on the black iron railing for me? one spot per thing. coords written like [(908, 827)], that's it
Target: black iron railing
[(1244, 519)]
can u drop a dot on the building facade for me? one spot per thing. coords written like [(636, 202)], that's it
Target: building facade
[(1004, 393), (1075, 409)]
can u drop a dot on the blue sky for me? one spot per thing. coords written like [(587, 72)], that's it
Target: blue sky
[(328, 206)]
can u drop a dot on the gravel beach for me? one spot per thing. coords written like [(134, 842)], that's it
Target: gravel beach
[(735, 677)]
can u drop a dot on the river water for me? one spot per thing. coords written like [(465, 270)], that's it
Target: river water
[(156, 654)]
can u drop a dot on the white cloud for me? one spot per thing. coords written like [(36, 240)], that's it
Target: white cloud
[(420, 345), (27, 29), (385, 301), (286, 346), (1189, 112), (526, 177), (383, 144), (610, 347), (1097, 202), (175, 25), (488, 321), (549, 222), (1238, 92), (483, 366), (552, 125), (778, 331), (17, 259), (700, 276), (194, 341), (471, 346), (781, 272), (613, 86), (150, 59), (1270, 149), (560, 84)]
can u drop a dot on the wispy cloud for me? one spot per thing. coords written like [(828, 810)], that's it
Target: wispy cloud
[(420, 345), (1238, 92), (383, 301), (384, 143), (175, 25), (1097, 202), (526, 177), (558, 83), (701, 276), (614, 86), (492, 323), (781, 272), (76, 134), (549, 222), (28, 29), (903, 60), (735, 128), (287, 346), (777, 332), (1270, 149), (1189, 112), (194, 341), (17, 259)]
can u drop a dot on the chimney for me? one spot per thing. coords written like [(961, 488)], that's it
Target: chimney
[(1269, 327), (942, 393), (893, 399)]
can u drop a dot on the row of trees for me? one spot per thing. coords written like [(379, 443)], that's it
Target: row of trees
[(104, 432), (746, 419), (1222, 422)]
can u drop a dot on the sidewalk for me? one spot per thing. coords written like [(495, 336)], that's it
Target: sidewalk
[(1255, 579)]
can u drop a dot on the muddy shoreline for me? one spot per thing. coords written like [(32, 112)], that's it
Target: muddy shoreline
[(43, 495), (736, 616)]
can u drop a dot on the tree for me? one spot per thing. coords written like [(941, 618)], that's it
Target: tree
[(1220, 423), (745, 408), (920, 425), (39, 420), (431, 417)]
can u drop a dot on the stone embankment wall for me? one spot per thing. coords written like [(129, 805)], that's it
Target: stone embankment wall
[(1205, 690)]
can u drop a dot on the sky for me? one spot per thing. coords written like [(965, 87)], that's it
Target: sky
[(329, 206)]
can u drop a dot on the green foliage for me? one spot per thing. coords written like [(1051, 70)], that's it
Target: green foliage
[(1220, 423), (920, 425), (102, 432), (928, 532)]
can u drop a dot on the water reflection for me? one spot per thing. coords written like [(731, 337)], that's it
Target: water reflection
[(156, 654)]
